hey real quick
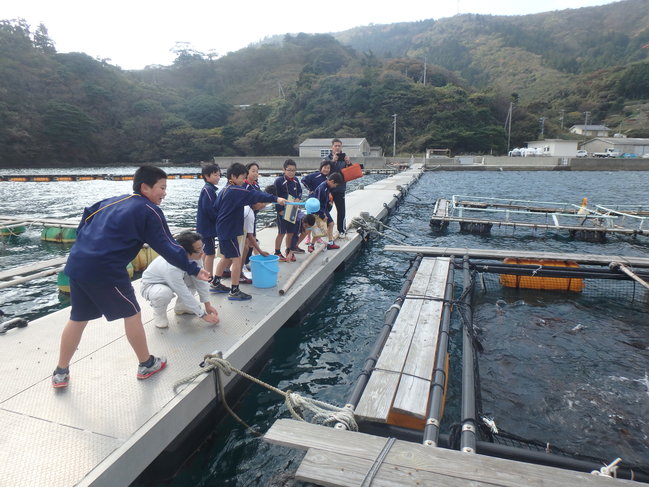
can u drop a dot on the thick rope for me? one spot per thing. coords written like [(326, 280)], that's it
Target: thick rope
[(323, 412)]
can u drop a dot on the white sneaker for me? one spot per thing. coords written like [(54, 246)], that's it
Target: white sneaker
[(160, 319)]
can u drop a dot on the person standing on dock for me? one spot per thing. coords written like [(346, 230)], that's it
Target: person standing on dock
[(110, 235), (322, 194), (312, 181), (252, 183), (285, 186), (339, 161), (206, 214), (161, 281), (229, 228)]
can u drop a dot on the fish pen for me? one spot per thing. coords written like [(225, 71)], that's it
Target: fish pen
[(482, 215), (549, 363)]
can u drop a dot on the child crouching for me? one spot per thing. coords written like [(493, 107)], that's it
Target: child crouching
[(161, 281)]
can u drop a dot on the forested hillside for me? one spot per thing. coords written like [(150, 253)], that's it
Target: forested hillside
[(264, 100)]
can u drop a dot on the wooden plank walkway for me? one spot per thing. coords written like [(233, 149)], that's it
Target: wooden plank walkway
[(350, 459), (398, 389)]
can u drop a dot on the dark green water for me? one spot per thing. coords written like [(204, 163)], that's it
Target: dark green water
[(585, 391)]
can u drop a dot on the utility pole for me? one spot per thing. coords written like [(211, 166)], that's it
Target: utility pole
[(508, 124), (542, 120), (586, 115), (394, 135), (561, 118), (425, 66)]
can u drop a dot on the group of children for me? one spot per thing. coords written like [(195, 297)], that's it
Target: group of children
[(112, 232)]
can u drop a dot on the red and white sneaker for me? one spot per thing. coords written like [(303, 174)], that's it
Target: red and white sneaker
[(144, 372)]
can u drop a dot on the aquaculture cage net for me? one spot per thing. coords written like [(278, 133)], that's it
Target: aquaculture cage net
[(519, 334), (619, 289)]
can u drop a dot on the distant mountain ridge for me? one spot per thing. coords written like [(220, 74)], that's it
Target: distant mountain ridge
[(530, 54), (450, 81)]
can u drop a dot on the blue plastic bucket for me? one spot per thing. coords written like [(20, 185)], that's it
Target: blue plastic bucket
[(264, 270)]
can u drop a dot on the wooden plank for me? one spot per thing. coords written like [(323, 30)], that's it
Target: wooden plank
[(376, 401), (411, 398), (421, 356), (520, 254), (335, 470), (440, 461), (441, 207), (31, 268), (395, 350), (396, 347)]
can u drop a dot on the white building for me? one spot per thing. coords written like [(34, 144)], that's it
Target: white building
[(554, 147), (590, 130), (358, 147), (624, 145)]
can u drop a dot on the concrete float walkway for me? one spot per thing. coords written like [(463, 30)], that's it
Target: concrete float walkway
[(107, 427)]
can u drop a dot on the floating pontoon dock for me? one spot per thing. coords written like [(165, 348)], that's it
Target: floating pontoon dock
[(107, 427), (398, 400), (476, 214)]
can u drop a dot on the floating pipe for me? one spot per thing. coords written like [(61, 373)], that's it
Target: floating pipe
[(468, 435), (437, 388)]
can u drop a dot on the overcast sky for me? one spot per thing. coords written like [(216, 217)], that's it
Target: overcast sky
[(136, 33)]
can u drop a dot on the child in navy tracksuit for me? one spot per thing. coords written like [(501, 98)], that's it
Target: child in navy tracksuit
[(322, 193), (206, 214), (229, 228), (285, 186), (313, 180), (110, 235), (252, 183)]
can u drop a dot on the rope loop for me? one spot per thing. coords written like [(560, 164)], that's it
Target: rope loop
[(322, 412)]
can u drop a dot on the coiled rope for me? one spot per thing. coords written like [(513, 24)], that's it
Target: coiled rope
[(322, 412)]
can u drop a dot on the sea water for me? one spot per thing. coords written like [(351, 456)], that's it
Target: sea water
[(565, 369)]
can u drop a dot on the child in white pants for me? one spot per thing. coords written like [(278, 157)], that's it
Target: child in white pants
[(162, 281)]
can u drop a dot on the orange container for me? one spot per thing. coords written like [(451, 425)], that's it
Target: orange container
[(546, 283), (352, 172)]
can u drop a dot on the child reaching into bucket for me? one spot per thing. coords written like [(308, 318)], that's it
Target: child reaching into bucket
[(305, 224), (322, 194), (230, 203), (161, 281), (110, 235)]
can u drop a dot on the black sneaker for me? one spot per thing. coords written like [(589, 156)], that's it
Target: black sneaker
[(239, 295), (297, 250), (219, 288)]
